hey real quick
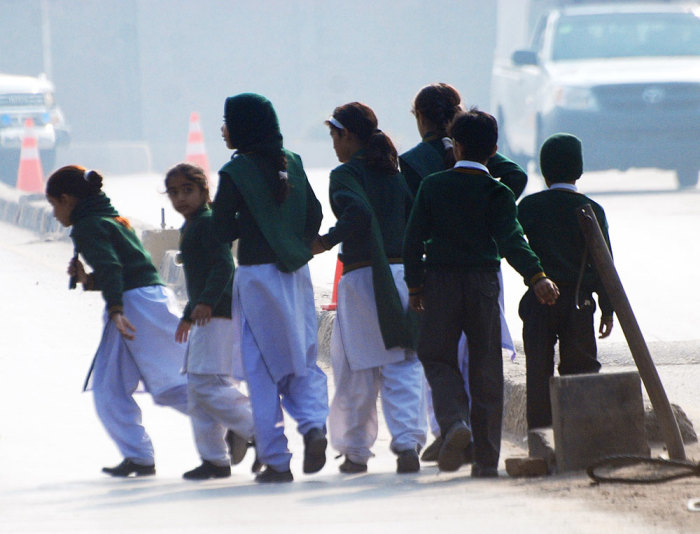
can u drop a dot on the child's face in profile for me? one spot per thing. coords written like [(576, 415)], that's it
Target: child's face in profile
[(62, 207), (187, 197)]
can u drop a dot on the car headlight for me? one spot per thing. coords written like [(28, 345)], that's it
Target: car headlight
[(578, 98)]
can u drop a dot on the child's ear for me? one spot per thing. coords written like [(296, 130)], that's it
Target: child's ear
[(495, 149)]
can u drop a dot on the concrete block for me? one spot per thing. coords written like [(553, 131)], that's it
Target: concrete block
[(524, 466), (156, 242), (540, 444), (596, 415)]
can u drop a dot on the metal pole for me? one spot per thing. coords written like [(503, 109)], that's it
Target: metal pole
[(647, 371)]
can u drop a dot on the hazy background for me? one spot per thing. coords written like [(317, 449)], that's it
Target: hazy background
[(128, 73)]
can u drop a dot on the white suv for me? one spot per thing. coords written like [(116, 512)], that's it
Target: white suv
[(23, 97)]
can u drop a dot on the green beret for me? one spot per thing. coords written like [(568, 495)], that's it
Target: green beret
[(561, 158)]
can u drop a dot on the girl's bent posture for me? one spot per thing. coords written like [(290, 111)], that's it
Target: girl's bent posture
[(137, 343), (215, 403)]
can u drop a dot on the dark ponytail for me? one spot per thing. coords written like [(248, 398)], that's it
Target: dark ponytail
[(75, 181), (380, 152), (439, 103)]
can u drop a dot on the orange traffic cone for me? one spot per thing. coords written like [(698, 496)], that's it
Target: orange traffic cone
[(334, 298), (195, 152), (30, 177)]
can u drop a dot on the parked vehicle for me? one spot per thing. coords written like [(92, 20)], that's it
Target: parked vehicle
[(23, 97), (624, 77)]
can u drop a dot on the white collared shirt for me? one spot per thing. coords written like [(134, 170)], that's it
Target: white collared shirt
[(566, 187), (471, 165)]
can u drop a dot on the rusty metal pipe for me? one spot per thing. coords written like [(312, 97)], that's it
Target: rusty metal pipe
[(640, 352)]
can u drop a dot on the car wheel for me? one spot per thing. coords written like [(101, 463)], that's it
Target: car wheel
[(687, 176)]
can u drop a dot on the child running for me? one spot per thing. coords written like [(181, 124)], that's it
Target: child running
[(266, 202), (137, 343), (372, 344), (215, 403)]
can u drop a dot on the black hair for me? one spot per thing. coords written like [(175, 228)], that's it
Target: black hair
[(191, 173), (380, 152), (477, 134), (75, 181), (439, 103)]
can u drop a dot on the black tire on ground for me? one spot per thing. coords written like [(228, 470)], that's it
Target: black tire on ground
[(687, 176)]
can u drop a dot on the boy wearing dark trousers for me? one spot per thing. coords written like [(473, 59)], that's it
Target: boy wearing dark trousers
[(463, 221), (551, 225)]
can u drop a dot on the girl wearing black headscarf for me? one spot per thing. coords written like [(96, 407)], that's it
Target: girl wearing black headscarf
[(266, 202)]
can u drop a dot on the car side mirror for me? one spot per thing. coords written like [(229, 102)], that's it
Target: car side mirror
[(524, 57)]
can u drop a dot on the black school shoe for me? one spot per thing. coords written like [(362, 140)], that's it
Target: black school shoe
[(480, 471), (432, 451), (272, 475), (208, 470), (128, 468), (407, 461), (349, 467), (315, 444), (237, 447), (456, 441)]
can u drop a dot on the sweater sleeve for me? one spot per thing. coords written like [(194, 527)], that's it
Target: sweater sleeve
[(221, 263), (509, 173), (413, 179), (94, 241), (417, 232), (352, 213), (314, 214), (225, 207)]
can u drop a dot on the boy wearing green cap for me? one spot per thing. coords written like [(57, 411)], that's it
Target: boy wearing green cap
[(550, 224)]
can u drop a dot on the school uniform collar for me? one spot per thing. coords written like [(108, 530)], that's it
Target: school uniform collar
[(466, 164), (565, 187)]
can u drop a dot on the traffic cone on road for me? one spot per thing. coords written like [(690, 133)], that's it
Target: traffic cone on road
[(195, 152), (30, 177), (334, 298)]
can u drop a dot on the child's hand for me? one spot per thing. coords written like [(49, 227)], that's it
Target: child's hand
[(415, 302), (606, 325), (123, 325), (183, 331), (77, 269), (546, 291), (201, 314), (317, 246)]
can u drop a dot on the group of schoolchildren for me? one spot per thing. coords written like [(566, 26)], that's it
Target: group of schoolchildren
[(419, 305)]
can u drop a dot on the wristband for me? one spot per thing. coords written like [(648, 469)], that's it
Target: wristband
[(537, 278)]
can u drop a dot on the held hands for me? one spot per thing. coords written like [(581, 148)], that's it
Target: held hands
[(183, 331), (317, 246), (606, 325), (546, 291), (123, 325)]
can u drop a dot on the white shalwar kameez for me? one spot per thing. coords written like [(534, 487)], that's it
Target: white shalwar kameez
[(463, 357), (152, 357), (363, 367), (275, 315), (215, 401)]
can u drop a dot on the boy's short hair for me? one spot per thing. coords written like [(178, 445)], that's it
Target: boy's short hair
[(561, 158), (477, 133)]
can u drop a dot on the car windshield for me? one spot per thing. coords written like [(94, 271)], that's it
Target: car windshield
[(626, 35)]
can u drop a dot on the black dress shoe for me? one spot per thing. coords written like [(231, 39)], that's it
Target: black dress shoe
[(237, 447), (272, 475), (407, 461), (315, 444), (455, 443), (349, 467), (432, 451), (128, 468), (208, 470), (481, 471)]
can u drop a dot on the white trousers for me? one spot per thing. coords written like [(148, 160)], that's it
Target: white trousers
[(152, 357), (215, 405)]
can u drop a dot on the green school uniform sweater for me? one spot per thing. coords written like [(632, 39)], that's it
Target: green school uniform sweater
[(208, 266), (551, 226), (464, 220), (427, 158), (245, 209), (110, 246)]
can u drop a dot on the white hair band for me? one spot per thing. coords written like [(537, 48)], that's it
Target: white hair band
[(335, 122), (447, 143)]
